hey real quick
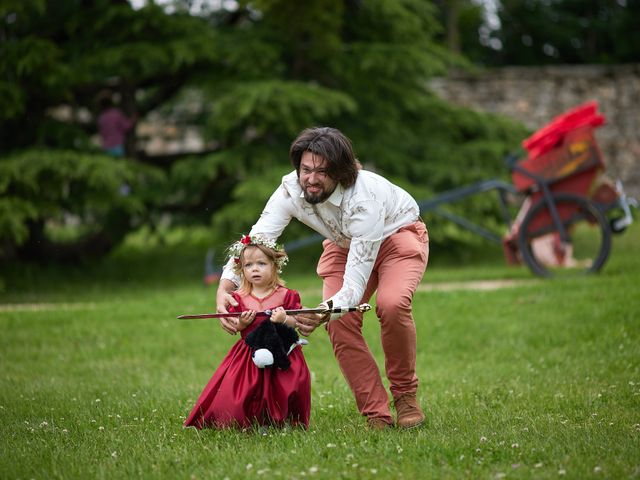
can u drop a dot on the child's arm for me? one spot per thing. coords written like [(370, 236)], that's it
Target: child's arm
[(279, 316), (245, 319)]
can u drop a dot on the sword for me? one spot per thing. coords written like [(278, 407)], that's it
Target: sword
[(365, 307)]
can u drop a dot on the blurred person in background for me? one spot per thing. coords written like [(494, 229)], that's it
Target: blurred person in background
[(113, 126)]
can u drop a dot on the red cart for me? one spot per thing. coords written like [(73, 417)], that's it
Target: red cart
[(562, 225)]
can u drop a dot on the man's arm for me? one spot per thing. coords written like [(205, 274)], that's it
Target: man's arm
[(224, 300), (276, 215), (366, 227)]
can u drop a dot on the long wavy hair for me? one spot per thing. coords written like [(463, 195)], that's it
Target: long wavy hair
[(332, 145)]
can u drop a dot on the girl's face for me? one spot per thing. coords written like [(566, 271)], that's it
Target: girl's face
[(256, 267)]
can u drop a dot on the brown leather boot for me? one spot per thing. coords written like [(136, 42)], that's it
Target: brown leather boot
[(378, 423), (408, 410)]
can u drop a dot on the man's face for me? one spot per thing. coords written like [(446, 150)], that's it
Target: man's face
[(316, 185)]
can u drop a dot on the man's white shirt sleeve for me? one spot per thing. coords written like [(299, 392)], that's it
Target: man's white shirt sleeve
[(365, 227)]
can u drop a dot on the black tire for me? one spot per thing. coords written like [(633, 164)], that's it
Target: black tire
[(589, 238)]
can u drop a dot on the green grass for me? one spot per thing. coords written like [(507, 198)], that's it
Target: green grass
[(540, 380)]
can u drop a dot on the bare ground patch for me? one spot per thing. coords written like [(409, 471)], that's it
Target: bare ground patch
[(477, 285), (480, 285), (39, 307)]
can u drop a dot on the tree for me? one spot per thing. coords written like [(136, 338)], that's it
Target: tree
[(537, 32), (267, 68), (462, 20), (55, 57)]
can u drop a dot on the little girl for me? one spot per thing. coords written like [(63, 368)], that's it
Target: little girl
[(239, 393)]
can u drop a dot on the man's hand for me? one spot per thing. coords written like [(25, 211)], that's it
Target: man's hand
[(223, 301), (306, 323)]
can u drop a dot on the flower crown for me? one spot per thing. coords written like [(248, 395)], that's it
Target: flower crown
[(235, 250)]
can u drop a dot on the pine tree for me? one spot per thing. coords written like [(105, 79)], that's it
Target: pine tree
[(266, 69)]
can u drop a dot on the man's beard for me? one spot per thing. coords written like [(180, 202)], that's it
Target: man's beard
[(315, 198)]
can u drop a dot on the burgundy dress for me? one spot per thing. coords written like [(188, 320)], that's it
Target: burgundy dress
[(241, 394)]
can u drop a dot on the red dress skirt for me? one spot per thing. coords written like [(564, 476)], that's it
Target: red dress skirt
[(240, 394)]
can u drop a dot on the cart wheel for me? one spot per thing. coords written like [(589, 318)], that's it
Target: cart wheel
[(587, 228)]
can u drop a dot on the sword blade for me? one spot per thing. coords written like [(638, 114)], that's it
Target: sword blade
[(360, 308), (210, 315), (258, 314)]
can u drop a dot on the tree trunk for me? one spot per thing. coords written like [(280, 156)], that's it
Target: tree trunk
[(128, 104), (452, 9)]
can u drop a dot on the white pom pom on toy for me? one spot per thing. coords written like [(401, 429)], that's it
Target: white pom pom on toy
[(262, 358)]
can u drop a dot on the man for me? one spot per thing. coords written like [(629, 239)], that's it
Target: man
[(375, 240)]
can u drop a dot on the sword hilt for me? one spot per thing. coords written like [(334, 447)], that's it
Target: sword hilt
[(363, 307)]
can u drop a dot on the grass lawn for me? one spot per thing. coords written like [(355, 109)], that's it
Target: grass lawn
[(538, 380)]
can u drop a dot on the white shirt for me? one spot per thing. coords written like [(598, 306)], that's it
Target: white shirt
[(359, 218)]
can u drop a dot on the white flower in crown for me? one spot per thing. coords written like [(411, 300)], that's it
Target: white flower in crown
[(235, 250)]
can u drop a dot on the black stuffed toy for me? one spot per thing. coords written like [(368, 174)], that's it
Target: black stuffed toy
[(272, 343)]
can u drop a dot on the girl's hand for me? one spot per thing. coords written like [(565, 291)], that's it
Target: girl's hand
[(278, 315), (246, 319)]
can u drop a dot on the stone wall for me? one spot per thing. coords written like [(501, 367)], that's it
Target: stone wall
[(534, 95)]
